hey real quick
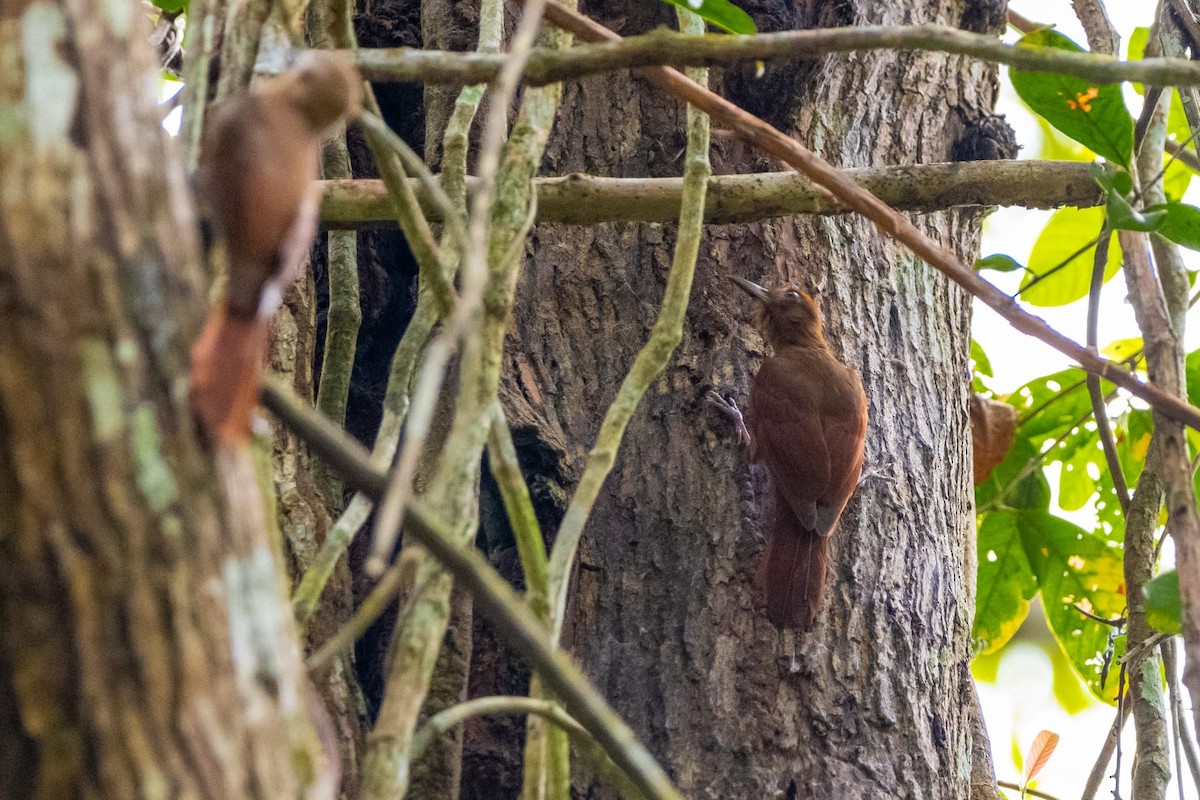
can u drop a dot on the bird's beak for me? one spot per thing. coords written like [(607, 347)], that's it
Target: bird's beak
[(750, 287)]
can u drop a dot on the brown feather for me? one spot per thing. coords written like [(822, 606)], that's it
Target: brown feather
[(257, 175), (808, 420)]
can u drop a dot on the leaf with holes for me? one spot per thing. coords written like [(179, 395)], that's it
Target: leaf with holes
[(1006, 583), (720, 13), (1091, 114), (1075, 567)]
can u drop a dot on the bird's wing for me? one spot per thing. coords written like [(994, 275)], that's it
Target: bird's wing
[(789, 439), (844, 429)]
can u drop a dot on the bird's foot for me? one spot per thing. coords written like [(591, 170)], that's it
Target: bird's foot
[(729, 407)]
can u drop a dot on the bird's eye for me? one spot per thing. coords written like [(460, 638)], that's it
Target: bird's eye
[(792, 293)]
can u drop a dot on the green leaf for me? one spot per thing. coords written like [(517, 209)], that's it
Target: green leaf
[(1181, 224), (983, 364), (1056, 147), (720, 13), (1073, 567), (1005, 582), (1053, 404), (1123, 216), (998, 262), (1091, 114), (1068, 230), (1069, 689), (1176, 178), (171, 5), (1121, 349), (1136, 44), (1117, 185), (1075, 484), (1163, 607), (1030, 490), (1192, 369)]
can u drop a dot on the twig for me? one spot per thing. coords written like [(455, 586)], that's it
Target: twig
[(436, 265), (494, 598), (1099, 407), (1059, 267), (1188, 21), (381, 596), (649, 363), (1164, 358), (395, 409), (663, 46), (1100, 767), (1023, 24), (589, 199), (444, 721), (473, 281), (1183, 732), (1113, 623), (502, 458), (889, 222), (1016, 787), (1183, 155), (431, 190), (1138, 650), (342, 321)]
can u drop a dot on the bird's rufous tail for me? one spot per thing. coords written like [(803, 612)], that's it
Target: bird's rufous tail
[(227, 362), (791, 576)]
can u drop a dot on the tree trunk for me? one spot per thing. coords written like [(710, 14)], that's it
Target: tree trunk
[(147, 639), (878, 699)]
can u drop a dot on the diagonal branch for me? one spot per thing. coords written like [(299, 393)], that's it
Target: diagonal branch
[(888, 220), (494, 598)]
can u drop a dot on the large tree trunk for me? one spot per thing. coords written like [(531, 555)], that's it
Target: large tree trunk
[(147, 639), (877, 700)]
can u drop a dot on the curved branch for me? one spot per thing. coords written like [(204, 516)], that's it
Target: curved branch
[(447, 719)]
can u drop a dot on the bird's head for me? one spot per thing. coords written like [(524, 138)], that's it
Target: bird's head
[(786, 314), (325, 86)]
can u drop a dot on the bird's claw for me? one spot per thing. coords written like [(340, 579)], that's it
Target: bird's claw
[(729, 407)]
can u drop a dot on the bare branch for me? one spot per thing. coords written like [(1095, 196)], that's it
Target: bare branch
[(587, 199), (664, 46), (1101, 35)]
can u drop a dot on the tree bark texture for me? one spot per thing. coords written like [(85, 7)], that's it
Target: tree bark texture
[(147, 639), (877, 700)]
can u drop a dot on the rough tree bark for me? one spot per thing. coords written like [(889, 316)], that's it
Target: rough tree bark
[(147, 639), (880, 700)]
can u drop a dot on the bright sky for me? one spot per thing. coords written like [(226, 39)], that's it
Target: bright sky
[(1023, 701)]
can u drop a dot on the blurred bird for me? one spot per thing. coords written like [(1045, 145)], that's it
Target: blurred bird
[(259, 162)]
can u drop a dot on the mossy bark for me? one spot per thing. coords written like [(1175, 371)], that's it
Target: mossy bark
[(147, 639)]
